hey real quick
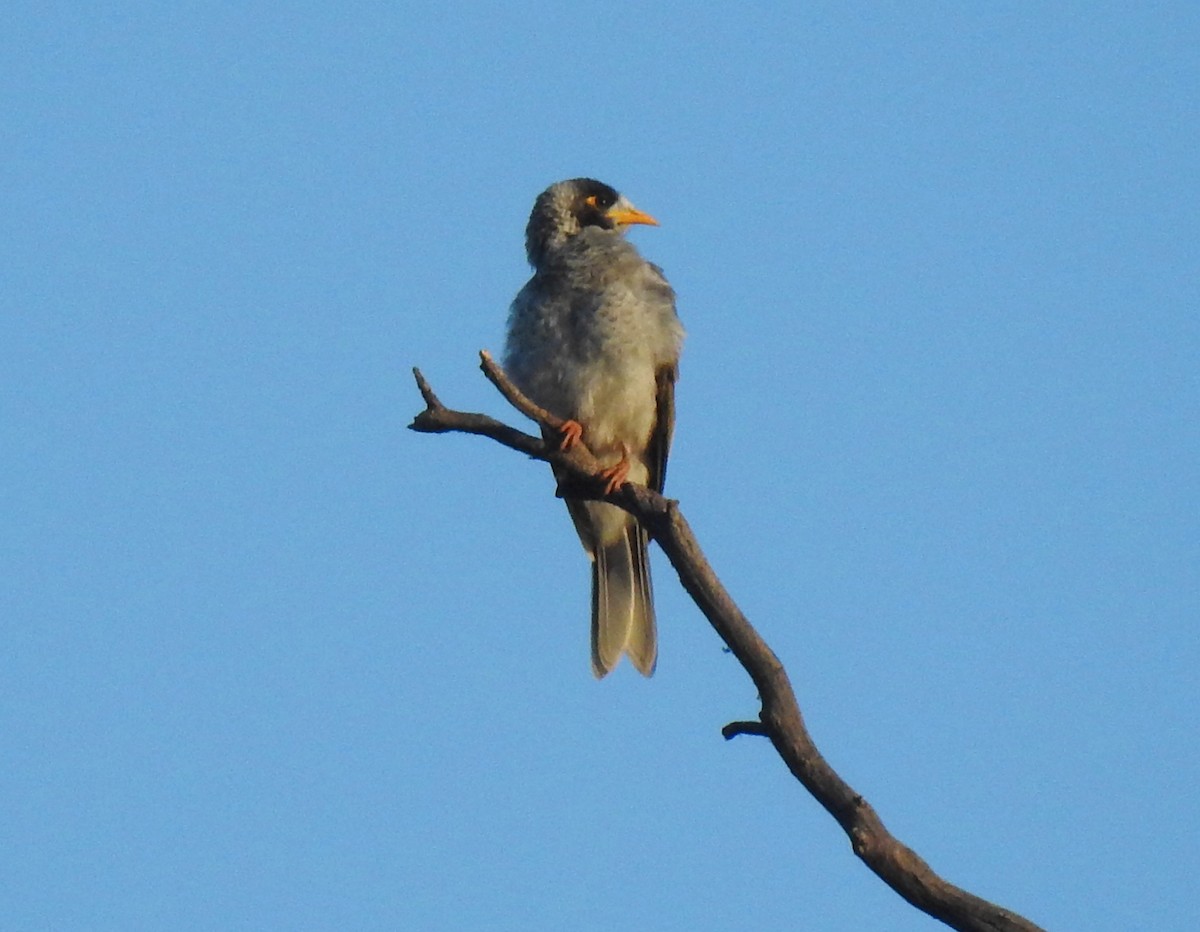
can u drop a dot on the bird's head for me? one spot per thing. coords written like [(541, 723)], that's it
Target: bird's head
[(568, 207)]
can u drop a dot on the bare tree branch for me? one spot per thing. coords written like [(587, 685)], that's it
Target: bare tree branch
[(780, 718)]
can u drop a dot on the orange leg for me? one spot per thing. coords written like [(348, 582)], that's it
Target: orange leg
[(571, 432), (617, 474)]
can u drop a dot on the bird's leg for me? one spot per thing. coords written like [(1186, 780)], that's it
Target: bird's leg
[(570, 433), (616, 475)]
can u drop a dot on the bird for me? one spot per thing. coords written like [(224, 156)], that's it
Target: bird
[(594, 338)]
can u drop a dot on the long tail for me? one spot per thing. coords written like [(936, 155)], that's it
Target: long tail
[(623, 604)]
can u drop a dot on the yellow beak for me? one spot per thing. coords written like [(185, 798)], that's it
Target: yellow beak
[(629, 217)]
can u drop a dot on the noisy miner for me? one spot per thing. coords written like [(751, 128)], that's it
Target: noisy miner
[(593, 337)]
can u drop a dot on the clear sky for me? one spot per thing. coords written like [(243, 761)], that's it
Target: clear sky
[(271, 661)]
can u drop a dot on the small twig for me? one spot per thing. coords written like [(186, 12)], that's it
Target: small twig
[(438, 419), (577, 467), (431, 400), (514, 396), (733, 729)]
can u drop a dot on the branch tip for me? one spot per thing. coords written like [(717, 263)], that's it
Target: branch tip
[(431, 400)]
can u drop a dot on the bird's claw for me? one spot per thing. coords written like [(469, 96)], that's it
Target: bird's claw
[(614, 476), (570, 433)]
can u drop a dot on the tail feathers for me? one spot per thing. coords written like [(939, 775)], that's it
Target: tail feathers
[(623, 604)]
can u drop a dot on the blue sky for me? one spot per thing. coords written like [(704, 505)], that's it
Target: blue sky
[(273, 661)]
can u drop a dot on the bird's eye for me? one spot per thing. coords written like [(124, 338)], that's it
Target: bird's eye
[(599, 201)]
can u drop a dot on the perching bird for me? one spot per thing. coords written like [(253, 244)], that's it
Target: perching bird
[(593, 338)]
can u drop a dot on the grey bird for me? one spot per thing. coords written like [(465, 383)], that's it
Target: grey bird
[(593, 337)]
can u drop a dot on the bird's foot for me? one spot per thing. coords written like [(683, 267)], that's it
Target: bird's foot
[(614, 476), (570, 433)]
